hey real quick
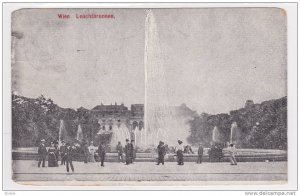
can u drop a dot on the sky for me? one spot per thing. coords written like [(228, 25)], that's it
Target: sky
[(214, 59)]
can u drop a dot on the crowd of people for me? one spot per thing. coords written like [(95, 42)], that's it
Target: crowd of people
[(66, 152), (91, 153)]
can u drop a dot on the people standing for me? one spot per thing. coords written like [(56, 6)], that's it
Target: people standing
[(42, 153), (127, 152), (132, 151), (200, 154), (62, 150), (101, 153), (232, 152), (52, 156), (179, 151), (86, 152), (69, 153), (92, 150), (219, 152), (56, 152), (161, 153), (78, 150), (120, 152)]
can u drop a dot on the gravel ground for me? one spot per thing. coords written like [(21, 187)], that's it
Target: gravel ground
[(27, 170)]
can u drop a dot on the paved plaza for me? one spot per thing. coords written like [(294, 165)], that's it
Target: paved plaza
[(27, 170)]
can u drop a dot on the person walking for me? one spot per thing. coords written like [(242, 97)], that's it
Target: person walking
[(52, 155), (92, 150), (179, 151), (42, 153), (62, 151), (127, 152), (200, 154), (69, 153), (161, 153), (232, 152), (120, 152), (101, 153)]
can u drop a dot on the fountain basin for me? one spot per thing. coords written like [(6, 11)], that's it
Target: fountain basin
[(243, 155)]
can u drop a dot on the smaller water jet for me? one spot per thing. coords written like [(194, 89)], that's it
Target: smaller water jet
[(234, 133), (62, 134), (215, 135), (79, 135)]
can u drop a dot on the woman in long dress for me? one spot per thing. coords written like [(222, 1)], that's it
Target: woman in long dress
[(52, 156)]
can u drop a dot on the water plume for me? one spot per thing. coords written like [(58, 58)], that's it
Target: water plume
[(162, 122)]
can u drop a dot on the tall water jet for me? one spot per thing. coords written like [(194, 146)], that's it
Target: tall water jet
[(161, 122), (79, 136)]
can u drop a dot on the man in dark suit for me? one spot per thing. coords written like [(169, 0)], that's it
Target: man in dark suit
[(69, 153), (127, 152), (86, 152), (62, 151), (101, 153), (42, 152), (200, 154), (132, 151), (120, 152), (56, 152)]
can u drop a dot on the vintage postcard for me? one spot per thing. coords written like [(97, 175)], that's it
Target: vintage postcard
[(149, 96)]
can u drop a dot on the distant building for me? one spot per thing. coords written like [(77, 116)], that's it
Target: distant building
[(249, 103), (109, 116)]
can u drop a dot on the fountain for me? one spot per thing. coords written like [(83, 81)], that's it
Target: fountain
[(119, 133), (161, 121), (215, 135), (139, 135), (234, 133), (79, 136), (62, 134)]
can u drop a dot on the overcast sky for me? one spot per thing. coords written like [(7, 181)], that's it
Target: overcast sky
[(214, 59)]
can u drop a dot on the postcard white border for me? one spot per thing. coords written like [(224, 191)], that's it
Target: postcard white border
[(291, 10)]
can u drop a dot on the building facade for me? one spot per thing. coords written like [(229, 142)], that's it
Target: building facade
[(109, 116)]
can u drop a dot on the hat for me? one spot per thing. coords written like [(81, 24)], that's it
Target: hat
[(127, 140), (43, 140)]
